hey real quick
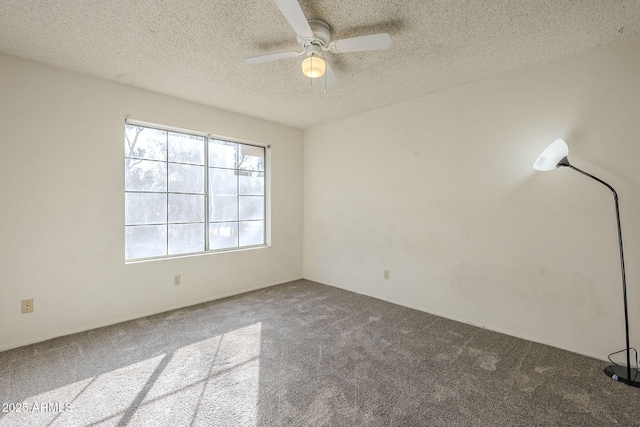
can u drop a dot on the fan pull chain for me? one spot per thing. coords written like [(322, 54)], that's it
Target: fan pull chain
[(311, 80), (325, 80)]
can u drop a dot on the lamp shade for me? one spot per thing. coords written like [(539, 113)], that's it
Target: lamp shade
[(551, 156), (313, 67)]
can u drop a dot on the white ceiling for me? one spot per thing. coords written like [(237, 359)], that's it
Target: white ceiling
[(194, 49)]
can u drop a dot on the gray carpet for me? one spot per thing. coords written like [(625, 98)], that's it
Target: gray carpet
[(304, 354)]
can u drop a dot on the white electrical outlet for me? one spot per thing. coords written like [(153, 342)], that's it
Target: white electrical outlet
[(386, 274), (176, 280)]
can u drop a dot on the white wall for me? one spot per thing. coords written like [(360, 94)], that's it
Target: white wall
[(440, 191), (62, 206)]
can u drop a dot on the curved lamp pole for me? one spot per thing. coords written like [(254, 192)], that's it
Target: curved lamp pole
[(555, 156)]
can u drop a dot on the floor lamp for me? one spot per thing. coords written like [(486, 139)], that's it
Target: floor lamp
[(555, 156)]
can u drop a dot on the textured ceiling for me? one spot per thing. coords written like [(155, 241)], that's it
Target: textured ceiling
[(194, 49)]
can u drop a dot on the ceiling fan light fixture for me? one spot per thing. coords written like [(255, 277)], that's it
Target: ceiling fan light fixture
[(313, 66), (314, 36)]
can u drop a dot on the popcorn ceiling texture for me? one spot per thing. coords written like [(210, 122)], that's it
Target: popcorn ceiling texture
[(194, 49)]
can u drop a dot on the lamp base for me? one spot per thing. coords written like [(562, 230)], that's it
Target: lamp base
[(619, 373)]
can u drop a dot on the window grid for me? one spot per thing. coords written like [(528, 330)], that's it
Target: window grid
[(206, 193), (239, 220), (170, 221), (166, 228), (237, 198)]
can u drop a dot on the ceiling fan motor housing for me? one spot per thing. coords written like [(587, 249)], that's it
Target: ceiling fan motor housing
[(321, 34)]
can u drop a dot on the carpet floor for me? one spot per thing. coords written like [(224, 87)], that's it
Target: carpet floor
[(304, 354)]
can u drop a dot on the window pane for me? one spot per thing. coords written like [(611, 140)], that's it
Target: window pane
[(145, 208), (223, 181), (251, 157), (223, 235), (165, 185), (251, 233), (222, 154), (251, 207), (223, 208), (145, 175), (186, 208), (186, 148), (186, 178), (186, 238), (145, 143), (251, 183), (142, 241)]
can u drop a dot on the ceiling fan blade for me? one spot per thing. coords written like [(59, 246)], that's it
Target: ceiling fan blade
[(271, 57), (329, 79), (293, 13), (380, 41)]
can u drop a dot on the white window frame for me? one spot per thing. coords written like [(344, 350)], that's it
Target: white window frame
[(208, 137)]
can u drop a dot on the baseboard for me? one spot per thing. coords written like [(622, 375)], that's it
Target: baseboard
[(151, 313), (466, 321)]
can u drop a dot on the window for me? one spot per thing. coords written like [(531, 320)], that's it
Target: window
[(187, 193)]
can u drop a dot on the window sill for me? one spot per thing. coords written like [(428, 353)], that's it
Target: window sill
[(194, 254)]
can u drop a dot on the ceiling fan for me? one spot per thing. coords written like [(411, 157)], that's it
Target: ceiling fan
[(314, 35)]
